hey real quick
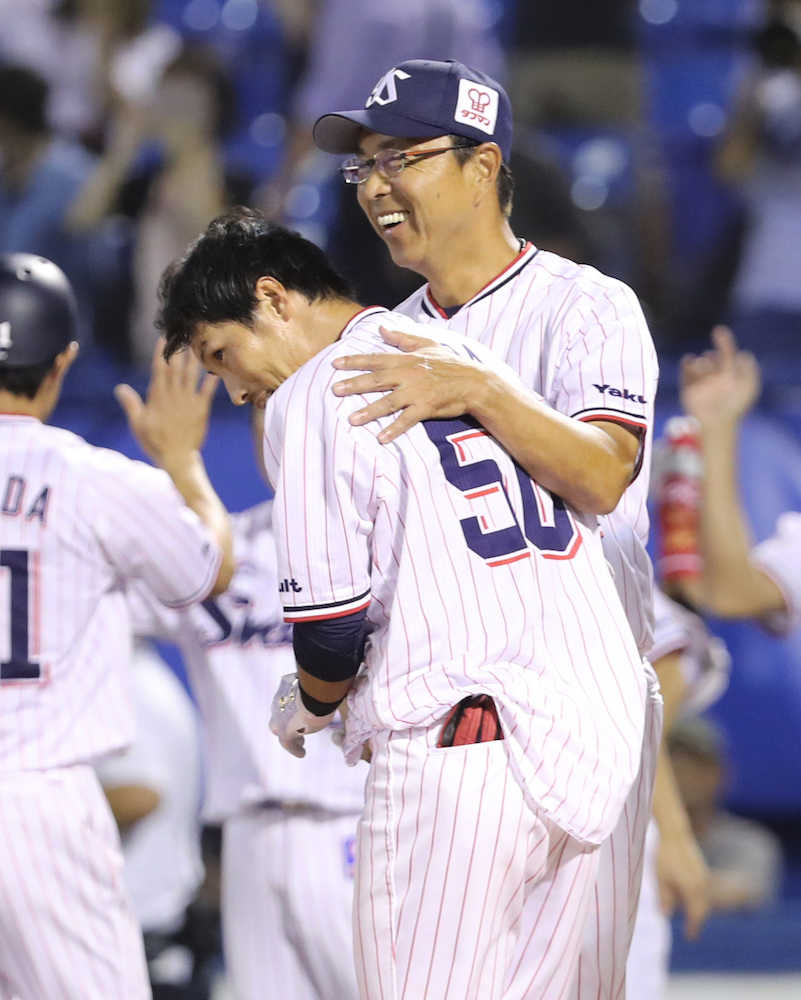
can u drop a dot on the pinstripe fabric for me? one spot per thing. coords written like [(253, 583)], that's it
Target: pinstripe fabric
[(461, 890), (236, 648), (286, 897), (607, 937), (290, 874), (547, 638), (579, 339), (704, 665), (67, 931), (75, 521), (649, 957), (87, 518)]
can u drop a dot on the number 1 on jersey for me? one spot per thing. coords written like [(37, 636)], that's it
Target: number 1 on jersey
[(18, 666)]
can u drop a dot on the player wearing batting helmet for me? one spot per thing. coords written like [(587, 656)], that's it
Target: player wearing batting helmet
[(76, 523)]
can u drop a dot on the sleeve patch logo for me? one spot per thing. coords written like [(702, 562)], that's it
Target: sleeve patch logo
[(477, 106), (631, 397)]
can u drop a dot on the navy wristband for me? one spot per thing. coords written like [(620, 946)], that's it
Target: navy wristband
[(319, 708)]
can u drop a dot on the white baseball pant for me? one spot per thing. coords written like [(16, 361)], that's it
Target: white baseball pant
[(649, 955), (602, 965), (287, 902), (67, 930), (462, 892)]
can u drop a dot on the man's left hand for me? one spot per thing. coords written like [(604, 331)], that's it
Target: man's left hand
[(425, 382), (290, 720)]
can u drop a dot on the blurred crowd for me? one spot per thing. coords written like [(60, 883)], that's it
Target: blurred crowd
[(125, 125)]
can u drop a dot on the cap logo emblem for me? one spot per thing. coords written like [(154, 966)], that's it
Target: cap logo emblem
[(5, 339), (477, 106), (480, 99), (386, 90)]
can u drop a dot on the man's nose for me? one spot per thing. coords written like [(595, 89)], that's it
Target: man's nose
[(376, 185), (235, 390)]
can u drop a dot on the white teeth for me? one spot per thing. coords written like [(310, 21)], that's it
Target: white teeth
[(390, 218)]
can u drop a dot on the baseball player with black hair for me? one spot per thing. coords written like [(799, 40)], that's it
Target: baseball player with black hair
[(428, 156), (76, 522), (498, 682)]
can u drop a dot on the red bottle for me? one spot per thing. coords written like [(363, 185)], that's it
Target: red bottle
[(679, 501)]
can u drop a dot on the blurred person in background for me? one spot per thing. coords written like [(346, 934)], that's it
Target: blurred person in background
[(288, 826), (734, 578), (576, 69), (170, 195), (41, 176), (348, 45), (693, 670), (93, 53), (744, 857), (153, 788), (543, 207), (760, 157)]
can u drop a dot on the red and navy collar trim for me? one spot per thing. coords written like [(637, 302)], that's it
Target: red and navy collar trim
[(359, 316), (511, 271)]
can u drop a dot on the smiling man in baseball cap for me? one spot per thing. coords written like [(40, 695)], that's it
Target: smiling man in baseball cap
[(429, 158), (423, 99), (445, 207)]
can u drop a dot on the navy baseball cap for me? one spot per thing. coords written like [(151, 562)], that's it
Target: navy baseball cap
[(421, 99)]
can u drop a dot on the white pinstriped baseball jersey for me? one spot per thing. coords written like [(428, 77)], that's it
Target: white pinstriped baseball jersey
[(75, 523), (705, 664), (705, 661), (579, 339), (236, 648), (779, 558), (475, 580)]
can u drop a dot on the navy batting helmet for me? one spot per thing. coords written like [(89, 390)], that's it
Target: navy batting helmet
[(38, 317)]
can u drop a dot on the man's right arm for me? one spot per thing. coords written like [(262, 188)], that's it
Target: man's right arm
[(718, 389), (171, 425)]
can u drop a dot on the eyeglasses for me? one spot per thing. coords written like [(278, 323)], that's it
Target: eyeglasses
[(389, 162)]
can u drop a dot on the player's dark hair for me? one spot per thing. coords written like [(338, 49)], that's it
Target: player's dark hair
[(505, 182), (215, 280), (24, 380)]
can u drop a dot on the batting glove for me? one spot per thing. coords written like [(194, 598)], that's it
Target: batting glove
[(290, 720)]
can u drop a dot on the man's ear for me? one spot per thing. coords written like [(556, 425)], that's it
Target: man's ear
[(486, 164), (270, 291)]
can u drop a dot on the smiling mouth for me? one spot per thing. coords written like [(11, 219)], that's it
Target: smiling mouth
[(390, 220)]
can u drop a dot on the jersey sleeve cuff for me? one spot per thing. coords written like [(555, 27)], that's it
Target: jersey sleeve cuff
[(778, 623), (771, 558), (633, 422), (675, 642), (332, 609), (201, 592)]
